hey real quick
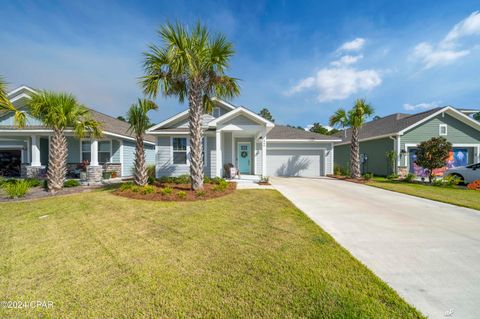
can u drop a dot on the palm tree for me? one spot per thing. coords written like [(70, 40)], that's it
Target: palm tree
[(355, 118), (5, 104), (61, 111), (139, 122), (190, 64)]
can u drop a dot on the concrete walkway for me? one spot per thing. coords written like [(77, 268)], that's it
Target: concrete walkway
[(429, 252)]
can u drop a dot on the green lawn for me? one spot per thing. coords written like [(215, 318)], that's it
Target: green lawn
[(457, 196), (249, 254)]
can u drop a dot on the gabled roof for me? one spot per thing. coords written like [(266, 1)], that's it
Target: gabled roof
[(398, 123), (281, 132), (241, 110)]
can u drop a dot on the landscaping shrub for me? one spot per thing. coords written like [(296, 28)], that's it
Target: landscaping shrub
[(221, 186), (475, 185), (182, 179), (207, 180), (147, 189), (151, 171), (340, 171), (200, 193), (437, 182), (181, 194), (264, 179), (150, 180), (17, 188), (34, 182), (367, 176), (409, 177), (392, 177), (451, 180), (71, 183), (166, 179), (166, 191), (217, 180), (126, 186)]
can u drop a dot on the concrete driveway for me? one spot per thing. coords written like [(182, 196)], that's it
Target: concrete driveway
[(427, 251)]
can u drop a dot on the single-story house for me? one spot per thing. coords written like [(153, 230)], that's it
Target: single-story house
[(401, 133), (235, 135), (24, 151)]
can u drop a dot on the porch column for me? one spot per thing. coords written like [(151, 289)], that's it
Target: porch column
[(218, 153), (264, 152), (94, 153), (35, 151)]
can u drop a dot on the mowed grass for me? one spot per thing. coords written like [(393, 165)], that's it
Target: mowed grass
[(249, 254), (456, 196)]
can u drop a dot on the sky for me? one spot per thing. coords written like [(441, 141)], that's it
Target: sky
[(300, 59)]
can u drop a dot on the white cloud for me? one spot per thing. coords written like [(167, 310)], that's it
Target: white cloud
[(339, 83), (353, 45), (340, 80), (347, 60), (421, 106), (466, 27), (446, 51)]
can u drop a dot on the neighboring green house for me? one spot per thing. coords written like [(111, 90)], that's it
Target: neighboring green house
[(401, 133)]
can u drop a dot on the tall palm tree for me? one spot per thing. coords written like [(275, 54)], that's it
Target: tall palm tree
[(61, 111), (190, 64), (5, 104), (139, 122), (354, 118)]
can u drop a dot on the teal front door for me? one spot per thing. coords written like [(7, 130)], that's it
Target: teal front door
[(244, 158)]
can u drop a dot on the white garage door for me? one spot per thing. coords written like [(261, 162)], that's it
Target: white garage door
[(307, 163)]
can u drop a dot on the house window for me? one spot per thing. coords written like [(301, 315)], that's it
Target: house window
[(104, 151), (86, 155), (216, 111), (179, 150), (442, 129)]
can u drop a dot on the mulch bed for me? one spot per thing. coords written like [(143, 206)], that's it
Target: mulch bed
[(40, 192), (348, 179), (191, 195)]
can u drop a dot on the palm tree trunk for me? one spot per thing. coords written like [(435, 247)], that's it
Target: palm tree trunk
[(195, 104), (57, 158), (140, 168), (355, 154)]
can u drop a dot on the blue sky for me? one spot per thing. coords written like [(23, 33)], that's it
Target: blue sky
[(300, 59)]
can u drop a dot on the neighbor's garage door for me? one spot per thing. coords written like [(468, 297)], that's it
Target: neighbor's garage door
[(287, 162)]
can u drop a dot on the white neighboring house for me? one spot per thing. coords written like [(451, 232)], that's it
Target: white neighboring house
[(236, 135), (24, 151)]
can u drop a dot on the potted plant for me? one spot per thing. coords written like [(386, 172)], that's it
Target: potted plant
[(106, 175)]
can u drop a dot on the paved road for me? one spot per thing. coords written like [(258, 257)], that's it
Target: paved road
[(427, 251)]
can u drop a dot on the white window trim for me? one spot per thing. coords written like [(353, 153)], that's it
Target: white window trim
[(187, 150), (440, 129), (100, 140)]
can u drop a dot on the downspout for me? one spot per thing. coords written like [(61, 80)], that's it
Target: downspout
[(395, 148)]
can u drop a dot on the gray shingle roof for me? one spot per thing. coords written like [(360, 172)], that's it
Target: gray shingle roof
[(390, 124), (281, 132), (109, 124)]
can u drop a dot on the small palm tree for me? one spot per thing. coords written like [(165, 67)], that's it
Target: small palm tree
[(5, 104), (139, 122), (355, 118), (190, 65), (60, 111)]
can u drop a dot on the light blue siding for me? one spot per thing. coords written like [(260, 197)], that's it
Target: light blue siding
[(115, 151), (8, 120), (227, 148), (164, 165), (128, 158), (211, 157), (149, 154)]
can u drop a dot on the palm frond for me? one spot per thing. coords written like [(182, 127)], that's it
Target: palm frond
[(339, 118)]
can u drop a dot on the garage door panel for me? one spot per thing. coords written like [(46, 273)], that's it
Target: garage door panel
[(306, 163)]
